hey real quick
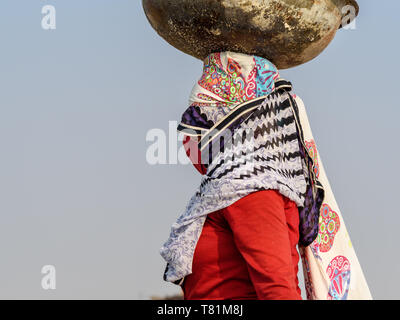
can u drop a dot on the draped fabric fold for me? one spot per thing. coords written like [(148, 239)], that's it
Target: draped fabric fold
[(331, 268)]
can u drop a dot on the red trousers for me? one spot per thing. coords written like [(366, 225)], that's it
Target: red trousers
[(248, 251)]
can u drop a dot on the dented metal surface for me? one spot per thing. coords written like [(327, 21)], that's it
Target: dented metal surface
[(287, 32)]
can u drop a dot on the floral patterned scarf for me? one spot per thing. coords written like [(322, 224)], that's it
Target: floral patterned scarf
[(231, 78)]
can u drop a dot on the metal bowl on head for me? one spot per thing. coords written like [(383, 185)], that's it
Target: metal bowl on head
[(286, 32)]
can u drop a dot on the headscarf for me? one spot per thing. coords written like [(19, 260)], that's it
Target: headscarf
[(231, 78)]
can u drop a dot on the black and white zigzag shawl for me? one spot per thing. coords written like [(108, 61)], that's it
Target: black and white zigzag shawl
[(255, 146)]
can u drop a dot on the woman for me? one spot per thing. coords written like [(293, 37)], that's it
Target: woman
[(260, 195)]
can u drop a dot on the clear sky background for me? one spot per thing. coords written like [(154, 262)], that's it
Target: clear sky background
[(77, 102)]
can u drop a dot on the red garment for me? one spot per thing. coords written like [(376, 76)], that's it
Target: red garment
[(248, 251), (191, 147)]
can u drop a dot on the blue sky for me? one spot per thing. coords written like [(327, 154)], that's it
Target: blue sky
[(77, 102)]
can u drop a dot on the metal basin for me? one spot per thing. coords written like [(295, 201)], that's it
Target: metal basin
[(287, 32)]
